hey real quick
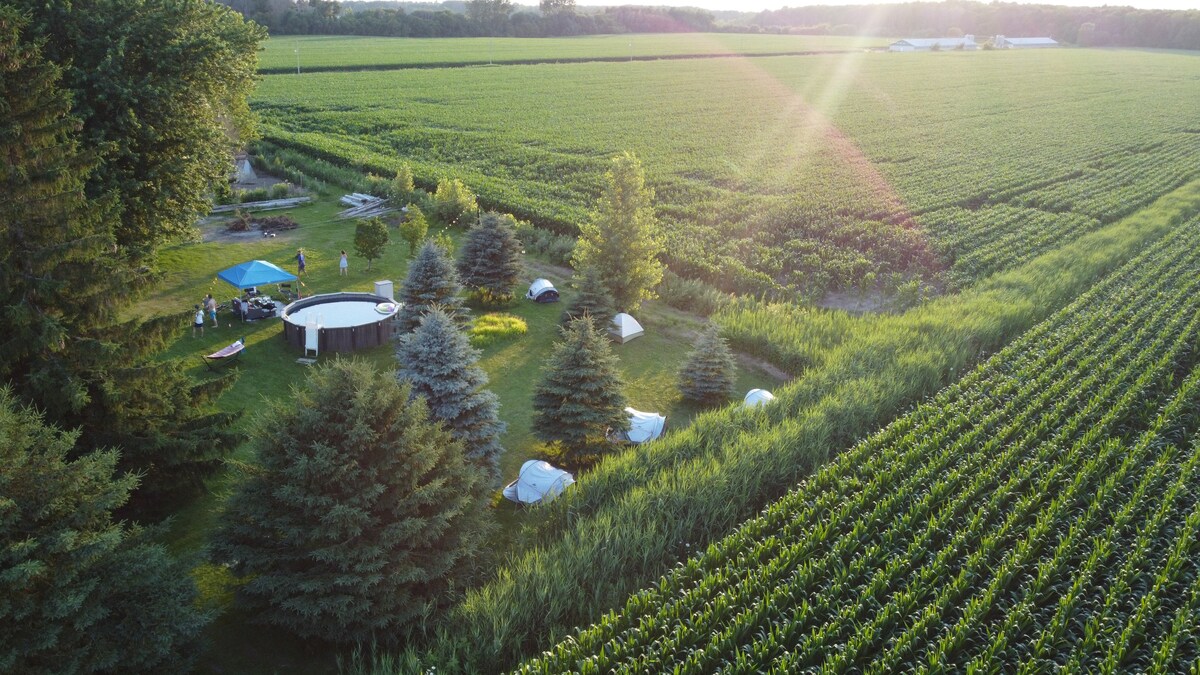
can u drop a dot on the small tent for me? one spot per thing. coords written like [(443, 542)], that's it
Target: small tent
[(625, 328), (538, 483), (643, 426), (757, 397), (541, 290), (245, 172)]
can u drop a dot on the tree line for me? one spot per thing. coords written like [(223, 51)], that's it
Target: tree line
[(477, 18), (1107, 26)]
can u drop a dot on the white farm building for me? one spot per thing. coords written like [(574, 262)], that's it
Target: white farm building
[(1001, 42), (966, 42)]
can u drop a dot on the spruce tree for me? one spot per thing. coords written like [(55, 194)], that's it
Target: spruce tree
[(362, 515), (439, 362), (431, 281), (579, 398), (64, 285), (593, 300), (80, 592), (622, 240), (708, 374), (490, 262)]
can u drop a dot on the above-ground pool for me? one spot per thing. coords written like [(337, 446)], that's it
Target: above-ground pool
[(344, 321)]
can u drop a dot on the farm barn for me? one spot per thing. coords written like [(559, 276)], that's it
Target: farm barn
[(927, 44), (1002, 42)]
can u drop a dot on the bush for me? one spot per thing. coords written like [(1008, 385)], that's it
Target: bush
[(553, 247), (280, 190), (255, 195), (496, 327), (453, 201), (691, 295)]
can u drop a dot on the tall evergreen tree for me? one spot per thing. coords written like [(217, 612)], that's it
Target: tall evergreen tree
[(622, 238), (361, 516), (593, 301), (579, 397), (490, 262), (63, 286), (160, 87), (707, 376), (80, 593), (431, 281), (439, 362)]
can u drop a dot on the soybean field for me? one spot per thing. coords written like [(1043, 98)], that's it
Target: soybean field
[(312, 53)]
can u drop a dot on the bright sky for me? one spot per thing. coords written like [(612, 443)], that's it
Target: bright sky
[(759, 5)]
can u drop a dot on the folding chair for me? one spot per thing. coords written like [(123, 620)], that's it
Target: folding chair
[(226, 355)]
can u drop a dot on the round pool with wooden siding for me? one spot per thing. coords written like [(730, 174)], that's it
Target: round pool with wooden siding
[(346, 321)]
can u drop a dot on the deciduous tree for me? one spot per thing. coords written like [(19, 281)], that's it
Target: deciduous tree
[(579, 398), (490, 262), (402, 184), (414, 229), (160, 87), (361, 514), (621, 239), (81, 593), (453, 201), (439, 362), (64, 285), (370, 239)]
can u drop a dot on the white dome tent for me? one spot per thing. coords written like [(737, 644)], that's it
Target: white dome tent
[(757, 397), (538, 483), (625, 328), (541, 290), (643, 426)]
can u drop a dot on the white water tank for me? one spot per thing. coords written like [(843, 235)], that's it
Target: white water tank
[(384, 289)]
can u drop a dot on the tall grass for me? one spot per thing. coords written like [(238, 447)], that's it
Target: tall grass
[(625, 523)]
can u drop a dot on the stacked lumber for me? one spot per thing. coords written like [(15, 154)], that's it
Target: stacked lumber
[(364, 206)]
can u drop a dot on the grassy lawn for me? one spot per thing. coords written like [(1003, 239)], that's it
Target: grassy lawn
[(268, 369)]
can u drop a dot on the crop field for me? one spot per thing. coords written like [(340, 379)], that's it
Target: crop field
[(342, 52), (637, 515), (787, 175), (1041, 513)]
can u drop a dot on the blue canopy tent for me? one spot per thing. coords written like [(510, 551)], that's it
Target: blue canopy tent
[(250, 275), (254, 273)]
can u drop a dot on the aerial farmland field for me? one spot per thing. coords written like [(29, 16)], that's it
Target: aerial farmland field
[(343, 52), (1042, 205), (786, 175)]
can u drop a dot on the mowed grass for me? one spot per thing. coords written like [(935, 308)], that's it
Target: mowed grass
[(268, 370), (349, 52)]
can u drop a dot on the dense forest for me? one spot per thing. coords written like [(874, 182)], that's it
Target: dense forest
[(1087, 26)]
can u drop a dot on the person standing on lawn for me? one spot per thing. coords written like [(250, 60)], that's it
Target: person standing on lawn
[(300, 259), (210, 305), (344, 265), (198, 323)]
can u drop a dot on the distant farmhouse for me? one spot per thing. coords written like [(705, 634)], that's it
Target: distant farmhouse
[(1001, 42), (967, 43)]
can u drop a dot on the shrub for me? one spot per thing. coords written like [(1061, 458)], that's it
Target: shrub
[(453, 201), (489, 329)]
